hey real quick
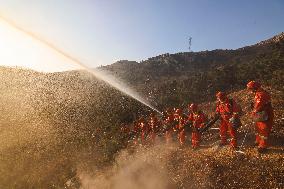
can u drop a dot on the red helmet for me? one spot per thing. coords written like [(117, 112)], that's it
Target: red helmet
[(178, 111), (253, 85), (221, 95), (193, 107)]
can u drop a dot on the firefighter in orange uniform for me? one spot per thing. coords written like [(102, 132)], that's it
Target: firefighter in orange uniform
[(135, 132), (262, 114), (229, 112), (144, 129), (180, 126), (154, 126), (124, 129), (197, 120), (169, 125)]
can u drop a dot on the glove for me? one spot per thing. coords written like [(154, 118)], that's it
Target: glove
[(232, 120)]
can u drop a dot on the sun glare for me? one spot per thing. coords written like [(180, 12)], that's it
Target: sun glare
[(20, 50)]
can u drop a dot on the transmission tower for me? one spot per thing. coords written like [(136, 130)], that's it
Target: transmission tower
[(189, 43)]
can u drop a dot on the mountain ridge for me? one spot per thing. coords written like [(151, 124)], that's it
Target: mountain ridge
[(274, 39)]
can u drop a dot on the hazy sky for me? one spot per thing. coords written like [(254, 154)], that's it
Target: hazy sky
[(100, 32)]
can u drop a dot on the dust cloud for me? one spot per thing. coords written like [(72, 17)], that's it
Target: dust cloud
[(143, 168)]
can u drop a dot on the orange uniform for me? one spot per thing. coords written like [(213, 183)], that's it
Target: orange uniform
[(144, 129), (169, 122), (227, 109), (154, 125), (262, 104), (198, 120), (135, 131), (180, 127)]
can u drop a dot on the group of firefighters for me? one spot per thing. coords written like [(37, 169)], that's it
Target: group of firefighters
[(175, 123)]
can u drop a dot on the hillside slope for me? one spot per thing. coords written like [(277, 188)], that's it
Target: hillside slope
[(196, 76)]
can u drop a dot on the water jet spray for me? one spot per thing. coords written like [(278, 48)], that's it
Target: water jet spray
[(99, 74)]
